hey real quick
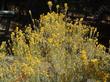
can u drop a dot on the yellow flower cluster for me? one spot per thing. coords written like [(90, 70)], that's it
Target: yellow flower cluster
[(94, 61), (27, 70), (84, 56)]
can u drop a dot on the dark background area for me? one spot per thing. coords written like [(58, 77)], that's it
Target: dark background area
[(40, 6)]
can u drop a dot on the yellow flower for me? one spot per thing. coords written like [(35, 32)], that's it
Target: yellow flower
[(12, 35), (3, 45), (37, 60), (54, 35), (100, 46), (50, 4), (81, 19), (42, 29), (83, 57), (13, 68), (2, 56), (32, 41), (66, 6), (29, 57), (20, 33), (106, 76), (27, 70), (95, 61), (83, 52), (57, 6), (57, 44), (16, 29), (50, 40)]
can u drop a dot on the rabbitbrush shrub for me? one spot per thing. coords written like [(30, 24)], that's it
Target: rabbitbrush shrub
[(57, 52)]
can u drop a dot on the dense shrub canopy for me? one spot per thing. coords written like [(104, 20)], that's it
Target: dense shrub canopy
[(57, 52)]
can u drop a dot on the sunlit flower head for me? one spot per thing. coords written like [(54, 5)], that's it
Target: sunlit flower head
[(66, 6), (50, 4), (94, 61), (83, 55), (57, 6)]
